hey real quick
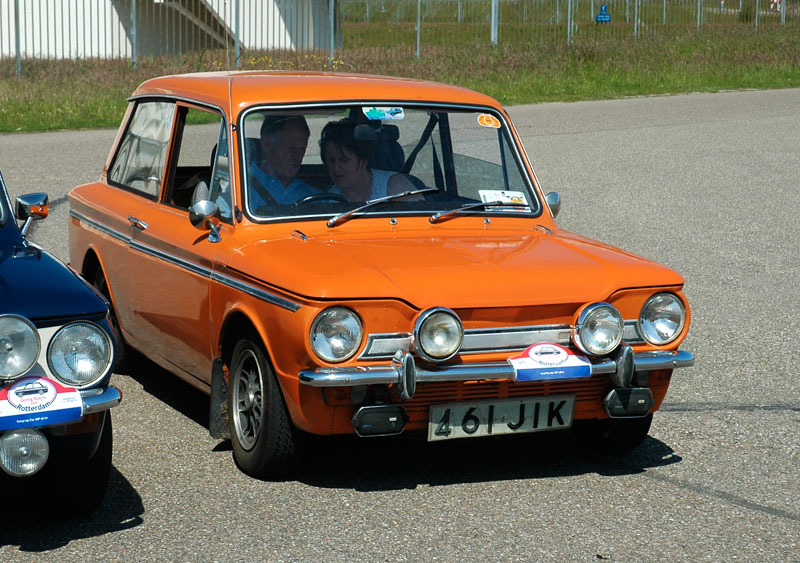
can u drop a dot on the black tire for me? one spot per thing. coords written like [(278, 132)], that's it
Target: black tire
[(101, 284), (265, 445), (614, 436)]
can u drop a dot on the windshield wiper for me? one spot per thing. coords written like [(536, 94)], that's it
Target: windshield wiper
[(342, 217), (442, 215)]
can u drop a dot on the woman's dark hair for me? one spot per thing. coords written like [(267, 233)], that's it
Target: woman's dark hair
[(342, 133)]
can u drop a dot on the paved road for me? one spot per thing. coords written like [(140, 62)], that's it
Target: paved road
[(704, 183)]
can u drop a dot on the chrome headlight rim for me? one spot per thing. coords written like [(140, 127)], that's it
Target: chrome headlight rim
[(585, 316), (315, 325), (419, 324), (642, 324), (109, 360), (35, 334)]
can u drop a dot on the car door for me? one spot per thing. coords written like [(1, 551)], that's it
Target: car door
[(170, 260)]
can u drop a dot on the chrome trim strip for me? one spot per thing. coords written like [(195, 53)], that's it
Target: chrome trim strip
[(384, 375), (631, 334), (191, 266), (100, 227), (255, 292), (96, 400)]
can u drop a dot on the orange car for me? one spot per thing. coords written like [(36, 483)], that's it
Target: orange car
[(332, 254)]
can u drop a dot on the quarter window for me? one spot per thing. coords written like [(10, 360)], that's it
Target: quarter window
[(141, 159)]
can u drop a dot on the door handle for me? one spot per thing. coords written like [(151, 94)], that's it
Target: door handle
[(138, 223)]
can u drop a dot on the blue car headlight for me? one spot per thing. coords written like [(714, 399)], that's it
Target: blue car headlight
[(80, 354)]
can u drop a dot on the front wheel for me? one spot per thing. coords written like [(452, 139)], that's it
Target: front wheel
[(616, 435), (263, 439)]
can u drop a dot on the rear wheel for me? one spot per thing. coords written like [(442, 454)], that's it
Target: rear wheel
[(264, 442), (616, 435)]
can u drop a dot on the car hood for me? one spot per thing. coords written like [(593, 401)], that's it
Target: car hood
[(456, 269), (37, 286)]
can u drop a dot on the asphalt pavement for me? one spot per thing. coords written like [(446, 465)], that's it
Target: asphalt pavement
[(704, 183)]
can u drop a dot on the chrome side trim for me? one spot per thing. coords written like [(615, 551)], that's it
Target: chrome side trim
[(191, 266), (97, 400), (385, 375), (255, 292)]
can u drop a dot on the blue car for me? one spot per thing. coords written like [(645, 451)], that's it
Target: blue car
[(57, 353)]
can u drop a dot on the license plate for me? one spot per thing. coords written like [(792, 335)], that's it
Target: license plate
[(496, 417)]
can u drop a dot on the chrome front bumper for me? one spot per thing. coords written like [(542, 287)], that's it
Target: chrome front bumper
[(392, 373), (98, 400)]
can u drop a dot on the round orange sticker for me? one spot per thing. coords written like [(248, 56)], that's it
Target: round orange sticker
[(486, 120)]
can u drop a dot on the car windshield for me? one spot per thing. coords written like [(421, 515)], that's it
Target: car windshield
[(322, 162)]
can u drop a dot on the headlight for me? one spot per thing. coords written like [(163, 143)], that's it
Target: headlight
[(80, 354), (438, 334), (336, 334), (19, 345), (662, 318), (598, 329)]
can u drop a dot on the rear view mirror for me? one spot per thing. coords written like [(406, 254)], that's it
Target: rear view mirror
[(553, 201), (30, 208), (201, 215)]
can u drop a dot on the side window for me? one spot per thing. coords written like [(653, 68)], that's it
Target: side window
[(195, 157), (142, 156)]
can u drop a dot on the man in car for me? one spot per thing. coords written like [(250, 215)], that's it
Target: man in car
[(273, 179)]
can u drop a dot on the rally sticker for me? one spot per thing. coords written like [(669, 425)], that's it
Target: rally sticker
[(486, 120), (383, 113), (549, 361), (38, 401)]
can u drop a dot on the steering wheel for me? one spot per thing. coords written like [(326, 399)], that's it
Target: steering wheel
[(324, 196)]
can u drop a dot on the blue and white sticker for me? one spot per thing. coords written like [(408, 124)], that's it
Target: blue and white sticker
[(38, 401), (393, 113), (549, 361)]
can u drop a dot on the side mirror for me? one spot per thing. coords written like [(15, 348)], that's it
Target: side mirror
[(201, 215), (553, 201), (30, 208)]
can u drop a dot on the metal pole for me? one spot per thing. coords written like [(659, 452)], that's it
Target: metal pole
[(756, 15), (331, 21), (783, 12), (665, 12), (134, 38), (636, 18), (16, 37), (699, 3), (494, 22), (569, 22), (238, 42), (419, 23)]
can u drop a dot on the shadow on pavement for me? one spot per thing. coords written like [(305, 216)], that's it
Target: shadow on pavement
[(30, 527)]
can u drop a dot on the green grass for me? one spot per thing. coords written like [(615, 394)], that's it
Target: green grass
[(53, 95)]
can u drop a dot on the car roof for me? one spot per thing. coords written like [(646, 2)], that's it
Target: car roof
[(249, 88)]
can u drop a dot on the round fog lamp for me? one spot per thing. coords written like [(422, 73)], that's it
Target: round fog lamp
[(23, 452), (19, 345), (438, 334), (598, 330)]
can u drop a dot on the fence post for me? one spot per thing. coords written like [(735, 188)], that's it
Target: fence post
[(665, 12), (331, 21), (419, 23), (16, 37), (238, 43), (569, 22), (495, 19), (756, 15), (783, 12), (134, 39), (699, 7), (636, 18)]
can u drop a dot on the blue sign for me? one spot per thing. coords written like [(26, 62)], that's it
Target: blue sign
[(603, 16)]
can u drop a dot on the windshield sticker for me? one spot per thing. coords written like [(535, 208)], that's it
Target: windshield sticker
[(38, 401), (549, 361), (486, 120), (383, 113), (508, 198)]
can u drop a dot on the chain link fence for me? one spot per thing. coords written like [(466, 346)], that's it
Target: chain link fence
[(128, 29)]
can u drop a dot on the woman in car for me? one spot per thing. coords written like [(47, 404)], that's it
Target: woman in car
[(346, 157)]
